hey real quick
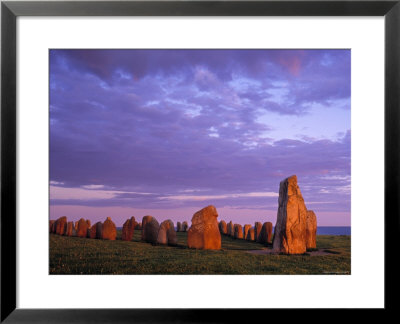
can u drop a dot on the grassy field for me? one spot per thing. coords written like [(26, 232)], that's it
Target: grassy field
[(73, 255)]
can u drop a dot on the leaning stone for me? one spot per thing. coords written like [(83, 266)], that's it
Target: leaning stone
[(61, 225), (266, 233)]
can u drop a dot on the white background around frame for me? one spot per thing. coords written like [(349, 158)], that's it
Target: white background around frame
[(363, 288)]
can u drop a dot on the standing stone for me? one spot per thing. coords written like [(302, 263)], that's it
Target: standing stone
[(290, 227), (250, 235), (99, 230), (266, 233), (246, 230), (70, 229), (150, 228), (128, 229), (91, 232), (231, 229), (76, 224), (257, 231), (166, 234), (109, 230), (238, 231), (179, 227), (311, 230), (204, 232), (81, 230), (185, 226), (61, 225)]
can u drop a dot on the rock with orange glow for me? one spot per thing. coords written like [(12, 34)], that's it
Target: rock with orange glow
[(91, 232), (166, 234), (150, 228), (257, 231), (128, 229), (250, 235), (88, 223), (223, 228), (246, 230), (238, 234), (61, 225), (70, 229), (81, 229), (204, 233), (231, 229), (185, 226), (109, 231), (291, 222), (311, 230)]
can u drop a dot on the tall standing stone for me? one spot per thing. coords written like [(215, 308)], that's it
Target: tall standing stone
[(150, 228), (246, 230), (238, 231), (70, 229), (311, 230), (231, 229), (290, 227), (257, 231), (223, 228), (204, 232), (166, 234), (81, 229), (128, 229)]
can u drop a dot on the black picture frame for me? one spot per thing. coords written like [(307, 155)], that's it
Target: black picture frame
[(10, 10)]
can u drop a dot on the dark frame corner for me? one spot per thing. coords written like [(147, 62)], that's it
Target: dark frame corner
[(10, 10)]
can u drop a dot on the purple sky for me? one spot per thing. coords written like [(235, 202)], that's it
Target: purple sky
[(167, 132)]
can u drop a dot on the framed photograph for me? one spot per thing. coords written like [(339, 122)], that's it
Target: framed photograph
[(154, 150)]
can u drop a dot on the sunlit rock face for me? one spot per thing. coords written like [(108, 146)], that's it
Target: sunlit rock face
[(150, 227), (311, 230), (257, 231), (238, 231), (166, 233), (204, 232), (109, 230), (246, 229), (81, 229), (290, 227), (61, 225), (128, 229), (250, 235), (231, 230), (70, 229)]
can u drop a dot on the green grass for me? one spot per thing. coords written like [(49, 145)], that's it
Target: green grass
[(73, 255)]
